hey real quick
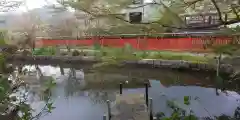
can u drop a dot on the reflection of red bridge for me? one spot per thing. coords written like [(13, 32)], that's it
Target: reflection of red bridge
[(143, 43)]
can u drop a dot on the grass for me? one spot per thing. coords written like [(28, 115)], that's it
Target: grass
[(128, 53), (44, 51), (165, 55)]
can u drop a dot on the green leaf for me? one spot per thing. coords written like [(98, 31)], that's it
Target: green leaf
[(50, 107), (1, 89), (187, 100), (97, 46)]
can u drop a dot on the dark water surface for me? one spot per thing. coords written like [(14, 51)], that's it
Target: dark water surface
[(72, 103)]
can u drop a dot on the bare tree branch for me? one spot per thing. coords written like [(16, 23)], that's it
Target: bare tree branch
[(109, 14), (233, 7), (218, 10), (6, 5), (24, 28), (189, 4)]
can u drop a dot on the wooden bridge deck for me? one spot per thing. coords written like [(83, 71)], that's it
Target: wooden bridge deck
[(129, 107)]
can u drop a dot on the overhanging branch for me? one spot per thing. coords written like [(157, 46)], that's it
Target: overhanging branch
[(237, 20), (218, 10), (189, 4), (235, 11)]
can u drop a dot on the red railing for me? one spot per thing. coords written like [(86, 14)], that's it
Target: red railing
[(143, 43)]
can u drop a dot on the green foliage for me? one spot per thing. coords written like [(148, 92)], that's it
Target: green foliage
[(45, 51), (177, 113), (4, 88), (26, 110), (170, 15), (50, 107), (173, 56), (228, 49), (235, 30), (2, 62), (232, 47), (7, 89), (6, 98), (219, 80), (180, 114), (97, 46), (50, 83), (114, 56), (76, 53), (2, 37), (186, 100)]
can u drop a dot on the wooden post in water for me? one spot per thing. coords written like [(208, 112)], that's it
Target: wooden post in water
[(146, 93), (120, 88), (108, 110), (217, 73), (104, 117), (62, 70), (73, 72), (218, 65), (151, 109)]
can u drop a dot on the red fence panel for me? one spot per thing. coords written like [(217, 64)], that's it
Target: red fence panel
[(143, 43), (111, 42)]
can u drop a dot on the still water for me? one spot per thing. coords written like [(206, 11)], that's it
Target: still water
[(73, 103)]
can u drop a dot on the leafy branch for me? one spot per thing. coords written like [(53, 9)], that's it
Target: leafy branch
[(108, 13), (14, 99)]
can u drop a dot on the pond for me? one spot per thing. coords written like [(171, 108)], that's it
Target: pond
[(74, 101)]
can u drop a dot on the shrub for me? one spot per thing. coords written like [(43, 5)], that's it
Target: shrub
[(45, 51), (75, 53)]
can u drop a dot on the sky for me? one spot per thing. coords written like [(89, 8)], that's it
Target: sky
[(32, 4)]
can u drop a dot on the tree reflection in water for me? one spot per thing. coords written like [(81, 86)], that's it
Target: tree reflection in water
[(74, 86), (236, 116), (101, 96), (35, 83)]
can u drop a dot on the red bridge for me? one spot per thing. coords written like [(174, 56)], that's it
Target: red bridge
[(174, 43)]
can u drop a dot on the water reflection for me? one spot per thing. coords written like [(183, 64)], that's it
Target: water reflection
[(204, 101), (72, 102)]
